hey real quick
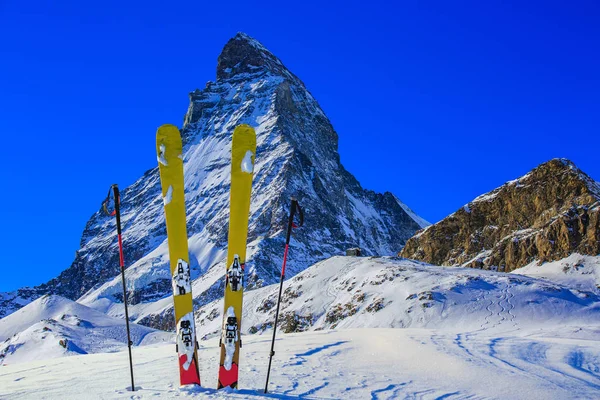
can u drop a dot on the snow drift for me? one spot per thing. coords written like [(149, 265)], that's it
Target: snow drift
[(53, 326)]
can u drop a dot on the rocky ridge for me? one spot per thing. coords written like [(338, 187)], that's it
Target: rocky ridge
[(546, 215)]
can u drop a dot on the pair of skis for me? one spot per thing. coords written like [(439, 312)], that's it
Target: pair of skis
[(169, 150)]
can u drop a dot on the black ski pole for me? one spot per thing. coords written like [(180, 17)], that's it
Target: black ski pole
[(117, 213), (295, 206)]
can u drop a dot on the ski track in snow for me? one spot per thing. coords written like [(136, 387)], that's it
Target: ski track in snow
[(467, 335), (346, 364)]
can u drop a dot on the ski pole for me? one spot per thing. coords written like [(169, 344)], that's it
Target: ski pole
[(295, 206), (117, 213)]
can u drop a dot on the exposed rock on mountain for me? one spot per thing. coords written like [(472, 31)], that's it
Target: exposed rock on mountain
[(546, 215), (297, 155)]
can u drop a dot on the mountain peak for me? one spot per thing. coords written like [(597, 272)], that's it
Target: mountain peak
[(296, 156), (243, 37), (557, 164), (562, 171), (243, 54)]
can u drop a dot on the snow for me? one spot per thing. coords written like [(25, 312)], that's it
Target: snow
[(161, 155), (168, 196), (402, 329), (550, 363), (53, 326), (383, 292), (482, 255), (578, 271), (419, 220), (247, 164), (487, 196), (363, 210)]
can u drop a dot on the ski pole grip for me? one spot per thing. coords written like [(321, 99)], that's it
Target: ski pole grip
[(291, 219), (301, 214), (117, 207)]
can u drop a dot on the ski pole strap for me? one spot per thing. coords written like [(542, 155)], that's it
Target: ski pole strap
[(294, 206), (106, 201), (105, 204)]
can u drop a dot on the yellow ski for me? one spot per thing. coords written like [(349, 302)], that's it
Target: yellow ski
[(170, 163), (243, 151)]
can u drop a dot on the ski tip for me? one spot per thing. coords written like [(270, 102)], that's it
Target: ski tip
[(244, 129), (244, 126), (167, 130), (168, 140), (167, 126)]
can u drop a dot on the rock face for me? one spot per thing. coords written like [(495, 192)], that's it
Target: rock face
[(297, 154), (546, 215)]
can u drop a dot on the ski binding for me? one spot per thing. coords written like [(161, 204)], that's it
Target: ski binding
[(235, 275)]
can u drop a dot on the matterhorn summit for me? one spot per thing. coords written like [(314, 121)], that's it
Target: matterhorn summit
[(297, 155)]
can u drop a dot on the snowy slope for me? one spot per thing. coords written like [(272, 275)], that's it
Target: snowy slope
[(467, 334), (577, 271), (53, 326), (382, 292), (546, 363)]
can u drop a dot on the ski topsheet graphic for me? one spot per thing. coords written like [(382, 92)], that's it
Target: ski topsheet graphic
[(170, 164), (243, 151)]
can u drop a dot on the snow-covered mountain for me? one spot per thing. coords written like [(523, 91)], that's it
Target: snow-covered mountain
[(382, 292), (53, 326), (297, 155)]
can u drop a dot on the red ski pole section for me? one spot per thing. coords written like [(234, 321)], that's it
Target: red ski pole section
[(121, 258), (284, 259)]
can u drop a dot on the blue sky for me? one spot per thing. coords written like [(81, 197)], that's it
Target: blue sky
[(437, 102)]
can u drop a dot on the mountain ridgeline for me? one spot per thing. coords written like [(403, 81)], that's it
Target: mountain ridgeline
[(546, 215), (297, 155)]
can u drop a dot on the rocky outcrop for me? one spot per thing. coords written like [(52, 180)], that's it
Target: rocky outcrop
[(546, 215)]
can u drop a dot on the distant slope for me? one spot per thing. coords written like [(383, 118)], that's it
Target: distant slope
[(381, 292), (53, 326), (577, 271)]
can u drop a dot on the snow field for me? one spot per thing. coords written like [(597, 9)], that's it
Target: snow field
[(467, 334), (344, 364)]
